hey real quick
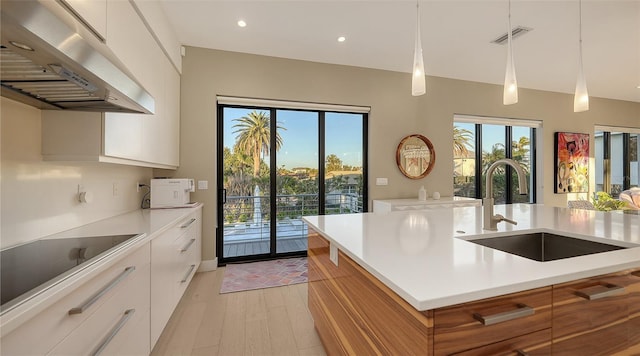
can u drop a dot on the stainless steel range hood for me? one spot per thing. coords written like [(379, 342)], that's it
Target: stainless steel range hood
[(50, 60)]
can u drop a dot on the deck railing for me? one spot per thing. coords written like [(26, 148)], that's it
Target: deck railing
[(249, 217)]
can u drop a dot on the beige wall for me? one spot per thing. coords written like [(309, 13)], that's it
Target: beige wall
[(39, 198), (394, 114)]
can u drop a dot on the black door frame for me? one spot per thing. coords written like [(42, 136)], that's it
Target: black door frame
[(222, 197)]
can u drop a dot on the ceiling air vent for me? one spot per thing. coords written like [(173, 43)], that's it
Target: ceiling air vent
[(517, 31)]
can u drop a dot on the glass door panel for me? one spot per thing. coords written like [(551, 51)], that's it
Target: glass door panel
[(464, 161), (493, 149), (296, 178), (246, 182), (521, 153), (344, 183)]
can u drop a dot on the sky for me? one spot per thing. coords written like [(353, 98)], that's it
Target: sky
[(300, 139), (492, 134)]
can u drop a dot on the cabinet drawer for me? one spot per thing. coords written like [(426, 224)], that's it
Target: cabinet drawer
[(534, 344), (41, 333), (187, 257), (175, 257), (189, 223), (471, 325), (592, 315), (108, 330)]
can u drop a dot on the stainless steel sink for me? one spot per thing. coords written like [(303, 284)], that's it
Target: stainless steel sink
[(544, 246)]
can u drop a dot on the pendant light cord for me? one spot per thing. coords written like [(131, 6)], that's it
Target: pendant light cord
[(510, 33), (418, 16), (580, 22)]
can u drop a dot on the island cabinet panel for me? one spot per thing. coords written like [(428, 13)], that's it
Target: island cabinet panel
[(534, 344), (634, 312), (598, 315), (355, 314), (476, 324)]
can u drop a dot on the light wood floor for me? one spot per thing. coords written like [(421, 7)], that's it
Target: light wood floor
[(272, 321)]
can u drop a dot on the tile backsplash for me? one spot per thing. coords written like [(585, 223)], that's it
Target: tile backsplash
[(41, 198)]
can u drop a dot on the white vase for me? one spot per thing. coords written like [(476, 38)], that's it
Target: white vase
[(422, 193), (436, 195)]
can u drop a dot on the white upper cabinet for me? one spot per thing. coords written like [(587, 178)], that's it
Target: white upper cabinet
[(135, 139), (135, 46), (92, 12)]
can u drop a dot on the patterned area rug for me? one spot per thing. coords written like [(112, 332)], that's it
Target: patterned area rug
[(264, 274)]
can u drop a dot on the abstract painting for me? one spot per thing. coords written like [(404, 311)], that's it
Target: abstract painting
[(571, 162)]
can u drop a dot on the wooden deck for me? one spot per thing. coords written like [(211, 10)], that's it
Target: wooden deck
[(262, 246)]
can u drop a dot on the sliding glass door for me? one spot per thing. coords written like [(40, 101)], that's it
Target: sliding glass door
[(276, 166)]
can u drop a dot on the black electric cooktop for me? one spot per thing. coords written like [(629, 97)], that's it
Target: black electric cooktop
[(32, 267)]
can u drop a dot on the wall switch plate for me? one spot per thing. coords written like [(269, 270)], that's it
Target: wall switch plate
[(203, 184), (382, 181)]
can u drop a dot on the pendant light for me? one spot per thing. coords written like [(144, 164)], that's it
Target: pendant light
[(510, 95), (581, 98), (418, 85)]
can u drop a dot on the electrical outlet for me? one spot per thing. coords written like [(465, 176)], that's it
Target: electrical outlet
[(115, 189)]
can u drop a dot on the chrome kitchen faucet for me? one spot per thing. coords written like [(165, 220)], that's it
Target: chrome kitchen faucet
[(491, 221)]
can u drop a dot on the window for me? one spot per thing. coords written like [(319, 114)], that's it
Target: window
[(616, 158), (478, 143)]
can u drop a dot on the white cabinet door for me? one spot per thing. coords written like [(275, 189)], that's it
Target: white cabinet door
[(163, 275), (142, 55), (174, 261), (93, 13), (123, 135)]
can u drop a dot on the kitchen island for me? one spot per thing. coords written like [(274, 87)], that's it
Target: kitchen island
[(421, 261)]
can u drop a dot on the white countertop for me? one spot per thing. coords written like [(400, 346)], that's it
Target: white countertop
[(143, 221), (423, 257)]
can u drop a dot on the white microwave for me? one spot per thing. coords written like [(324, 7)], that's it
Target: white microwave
[(172, 192)]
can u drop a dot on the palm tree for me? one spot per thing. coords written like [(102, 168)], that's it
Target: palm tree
[(520, 152), (254, 137), (461, 142), (497, 153)]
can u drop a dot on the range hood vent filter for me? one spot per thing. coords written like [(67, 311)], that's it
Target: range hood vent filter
[(62, 65)]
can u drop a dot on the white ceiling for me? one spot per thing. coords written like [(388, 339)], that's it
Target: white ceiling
[(456, 37)]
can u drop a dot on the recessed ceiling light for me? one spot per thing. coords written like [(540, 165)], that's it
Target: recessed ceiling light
[(638, 87), (241, 23), (342, 39)]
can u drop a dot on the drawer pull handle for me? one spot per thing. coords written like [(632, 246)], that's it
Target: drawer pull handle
[(521, 353), (186, 225), (105, 342), (102, 292), (186, 247), (601, 291), (186, 276), (520, 312)]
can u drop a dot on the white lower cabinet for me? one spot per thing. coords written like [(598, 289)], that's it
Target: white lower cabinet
[(81, 322), (122, 306), (121, 326), (175, 257)]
